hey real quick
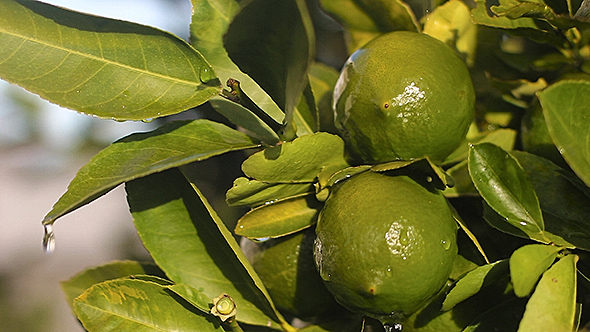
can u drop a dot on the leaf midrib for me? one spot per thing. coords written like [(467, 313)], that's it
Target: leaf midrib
[(105, 60)]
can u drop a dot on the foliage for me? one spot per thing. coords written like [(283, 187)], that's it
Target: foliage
[(524, 247)]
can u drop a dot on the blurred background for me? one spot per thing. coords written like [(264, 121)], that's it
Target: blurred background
[(41, 148)]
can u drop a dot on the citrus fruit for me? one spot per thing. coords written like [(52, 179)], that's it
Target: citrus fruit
[(385, 244), (287, 269), (403, 95)]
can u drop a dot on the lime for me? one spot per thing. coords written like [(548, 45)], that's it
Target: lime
[(286, 267), (385, 244), (403, 95)]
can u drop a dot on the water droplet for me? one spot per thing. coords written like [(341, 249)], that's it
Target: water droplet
[(48, 239), (429, 179), (148, 120), (446, 244), (388, 272), (523, 223), (206, 75), (393, 327)]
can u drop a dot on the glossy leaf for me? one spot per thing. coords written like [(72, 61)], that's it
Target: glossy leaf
[(209, 23), (553, 304), (322, 80), (503, 317), (102, 67), (78, 284), (528, 263), (503, 184), (365, 20), (568, 120), (189, 242), (298, 161), (564, 200), (482, 16), (247, 192), (279, 218), (471, 283), (282, 36), (135, 305), (451, 23), (192, 296), (245, 119), (137, 155)]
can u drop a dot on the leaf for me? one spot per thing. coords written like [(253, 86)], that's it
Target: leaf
[(472, 282), (554, 301), (503, 317), (192, 296), (78, 284), (102, 67), (298, 161), (503, 184), (568, 120), (189, 242), (282, 36), (246, 119), (528, 263), (136, 305), (504, 138), (451, 23), (246, 192), (210, 21), (564, 200), (322, 80), (171, 145), (481, 16), (279, 218)]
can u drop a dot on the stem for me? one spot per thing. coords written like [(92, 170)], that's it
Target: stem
[(233, 324)]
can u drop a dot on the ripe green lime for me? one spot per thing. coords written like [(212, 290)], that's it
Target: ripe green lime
[(403, 95), (287, 269), (385, 244)]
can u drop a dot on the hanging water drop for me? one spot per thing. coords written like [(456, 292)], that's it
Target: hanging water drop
[(48, 239)]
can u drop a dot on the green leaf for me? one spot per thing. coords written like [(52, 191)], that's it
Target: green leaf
[(78, 284), (281, 34), (554, 301), (504, 138), (322, 80), (564, 200), (451, 23), (298, 161), (568, 120), (189, 242), (210, 21), (480, 16), (279, 218), (503, 184), (247, 192), (102, 67), (528, 263), (503, 317), (136, 305), (245, 119), (472, 282), (174, 144), (192, 296)]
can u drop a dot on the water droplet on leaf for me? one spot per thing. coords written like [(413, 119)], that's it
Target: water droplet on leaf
[(48, 239)]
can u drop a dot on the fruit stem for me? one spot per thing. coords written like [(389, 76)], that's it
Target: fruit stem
[(234, 326)]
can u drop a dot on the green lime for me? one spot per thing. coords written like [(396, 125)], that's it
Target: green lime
[(403, 95), (385, 244), (287, 269)]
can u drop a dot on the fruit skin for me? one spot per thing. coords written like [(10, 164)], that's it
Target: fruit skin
[(286, 266), (385, 244), (403, 95)]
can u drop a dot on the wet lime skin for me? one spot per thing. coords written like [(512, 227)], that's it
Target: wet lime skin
[(385, 244), (404, 95)]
